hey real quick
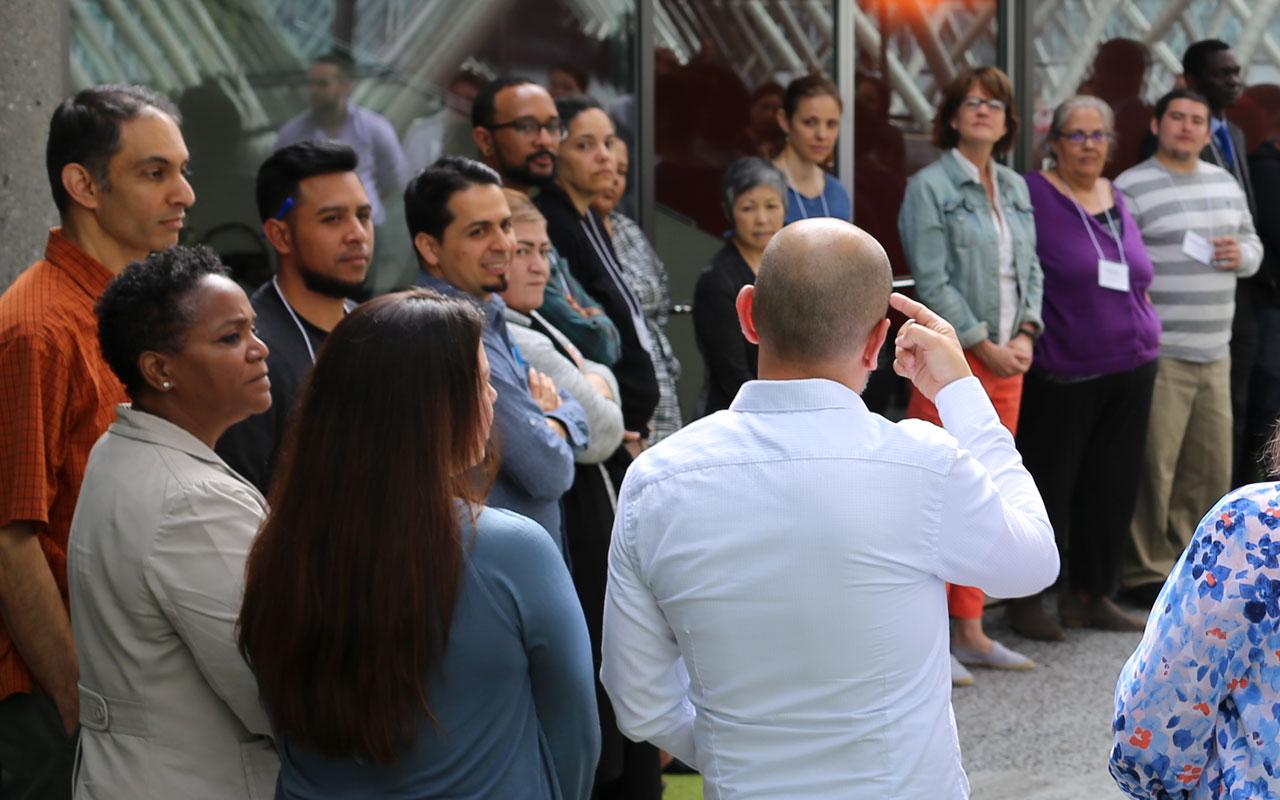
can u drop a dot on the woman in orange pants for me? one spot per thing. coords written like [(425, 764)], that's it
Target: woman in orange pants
[(969, 236)]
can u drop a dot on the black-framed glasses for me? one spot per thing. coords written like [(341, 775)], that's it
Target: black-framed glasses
[(1080, 137), (975, 103), (528, 126)]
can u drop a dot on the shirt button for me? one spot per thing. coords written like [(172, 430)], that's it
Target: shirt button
[(99, 713)]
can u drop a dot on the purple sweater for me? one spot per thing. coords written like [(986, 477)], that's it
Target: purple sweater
[(1089, 330)]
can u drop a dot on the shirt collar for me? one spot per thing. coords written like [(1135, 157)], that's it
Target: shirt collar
[(133, 423), (86, 271), (971, 169), (493, 308), (809, 394)]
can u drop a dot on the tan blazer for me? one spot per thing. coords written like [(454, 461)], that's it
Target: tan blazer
[(168, 708)]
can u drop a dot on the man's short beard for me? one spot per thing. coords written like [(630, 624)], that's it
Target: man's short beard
[(330, 286), (522, 175)]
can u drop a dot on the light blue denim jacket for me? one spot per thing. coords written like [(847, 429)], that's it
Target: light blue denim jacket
[(953, 250)]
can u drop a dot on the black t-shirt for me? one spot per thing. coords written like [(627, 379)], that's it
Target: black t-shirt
[(249, 447)]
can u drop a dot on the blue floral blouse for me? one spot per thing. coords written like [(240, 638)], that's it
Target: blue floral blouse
[(1198, 703)]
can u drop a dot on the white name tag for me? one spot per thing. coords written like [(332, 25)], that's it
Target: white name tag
[(1113, 275), (1198, 247)]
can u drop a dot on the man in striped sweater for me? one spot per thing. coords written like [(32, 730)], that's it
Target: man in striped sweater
[(1196, 224)]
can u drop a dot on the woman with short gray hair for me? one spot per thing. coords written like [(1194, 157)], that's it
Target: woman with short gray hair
[(754, 194), (1086, 399)]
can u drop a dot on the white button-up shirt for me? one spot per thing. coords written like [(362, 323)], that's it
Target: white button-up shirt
[(776, 611)]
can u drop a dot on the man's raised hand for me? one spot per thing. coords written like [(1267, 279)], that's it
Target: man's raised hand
[(926, 351)]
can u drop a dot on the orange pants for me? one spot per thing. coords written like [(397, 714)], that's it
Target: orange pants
[(965, 602)]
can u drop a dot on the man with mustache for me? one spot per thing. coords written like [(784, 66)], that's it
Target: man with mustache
[(318, 218), (117, 169), (460, 224)]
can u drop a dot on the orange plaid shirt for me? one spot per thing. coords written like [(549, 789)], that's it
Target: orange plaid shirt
[(58, 396)]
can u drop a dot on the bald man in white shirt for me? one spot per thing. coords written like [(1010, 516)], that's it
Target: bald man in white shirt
[(776, 611)]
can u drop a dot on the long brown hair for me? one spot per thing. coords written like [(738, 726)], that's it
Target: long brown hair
[(351, 585)]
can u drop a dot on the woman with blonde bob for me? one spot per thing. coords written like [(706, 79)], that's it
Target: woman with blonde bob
[(408, 641)]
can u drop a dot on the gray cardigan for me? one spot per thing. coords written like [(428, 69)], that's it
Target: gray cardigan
[(604, 416)]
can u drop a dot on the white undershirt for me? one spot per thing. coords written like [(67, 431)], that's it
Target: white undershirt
[(1008, 274)]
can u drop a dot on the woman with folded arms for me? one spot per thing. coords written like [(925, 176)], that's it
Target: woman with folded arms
[(158, 544), (970, 240), (1086, 399), (408, 641)]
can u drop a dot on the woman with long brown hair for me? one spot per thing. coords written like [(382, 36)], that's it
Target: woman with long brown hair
[(408, 641)]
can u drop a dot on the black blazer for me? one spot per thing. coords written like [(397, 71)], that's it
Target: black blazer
[(729, 358), (568, 231)]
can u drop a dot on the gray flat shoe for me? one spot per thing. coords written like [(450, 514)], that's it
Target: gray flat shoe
[(1000, 657), (959, 675)]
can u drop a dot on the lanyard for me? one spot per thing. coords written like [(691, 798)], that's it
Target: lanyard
[(305, 338), (1111, 226), (1177, 193), (804, 212)]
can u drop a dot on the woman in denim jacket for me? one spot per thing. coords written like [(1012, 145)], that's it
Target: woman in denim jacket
[(970, 240)]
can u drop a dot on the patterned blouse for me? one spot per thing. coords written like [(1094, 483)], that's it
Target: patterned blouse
[(646, 276), (1198, 703)]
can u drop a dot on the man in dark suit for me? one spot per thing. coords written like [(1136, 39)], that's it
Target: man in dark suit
[(1210, 68)]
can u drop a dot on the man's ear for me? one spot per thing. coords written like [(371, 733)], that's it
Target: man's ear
[(483, 137), (1155, 127), (745, 304), (428, 249), (870, 356), (81, 185), (278, 235)]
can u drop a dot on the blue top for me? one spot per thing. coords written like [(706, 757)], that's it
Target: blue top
[(535, 466), (514, 697), (833, 202), (1198, 703)]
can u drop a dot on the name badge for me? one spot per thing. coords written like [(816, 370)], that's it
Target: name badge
[(1113, 275), (1198, 247)]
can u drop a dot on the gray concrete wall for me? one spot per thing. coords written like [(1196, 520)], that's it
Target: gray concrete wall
[(33, 80)]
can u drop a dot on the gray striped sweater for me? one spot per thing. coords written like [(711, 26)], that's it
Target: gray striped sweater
[(1195, 301)]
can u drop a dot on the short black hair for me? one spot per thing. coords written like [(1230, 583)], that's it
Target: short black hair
[(342, 60), (572, 106), (1162, 104), (280, 174), (85, 130), (580, 76), (426, 198), (482, 106), (143, 308), (1196, 59)]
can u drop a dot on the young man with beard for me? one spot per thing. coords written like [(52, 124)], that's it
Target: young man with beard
[(316, 215)]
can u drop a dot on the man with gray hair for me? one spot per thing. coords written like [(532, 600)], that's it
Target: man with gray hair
[(776, 611)]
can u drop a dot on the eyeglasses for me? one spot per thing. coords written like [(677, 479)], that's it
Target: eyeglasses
[(528, 126), (975, 103), (1079, 137)]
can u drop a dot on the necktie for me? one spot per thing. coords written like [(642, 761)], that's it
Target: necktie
[(1223, 137)]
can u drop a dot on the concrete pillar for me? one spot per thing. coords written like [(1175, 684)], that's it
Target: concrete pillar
[(34, 77)]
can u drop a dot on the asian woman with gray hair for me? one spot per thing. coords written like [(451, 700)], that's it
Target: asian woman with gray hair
[(1087, 396), (754, 194)]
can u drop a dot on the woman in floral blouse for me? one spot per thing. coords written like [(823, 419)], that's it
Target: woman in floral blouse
[(1198, 703), (647, 278)]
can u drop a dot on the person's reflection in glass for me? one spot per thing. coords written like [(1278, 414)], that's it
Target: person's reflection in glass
[(762, 136), (447, 132), (1118, 72)]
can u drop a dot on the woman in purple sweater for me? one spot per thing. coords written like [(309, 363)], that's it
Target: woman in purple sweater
[(1086, 399)]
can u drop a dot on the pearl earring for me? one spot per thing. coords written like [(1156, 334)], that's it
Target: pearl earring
[(166, 386)]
